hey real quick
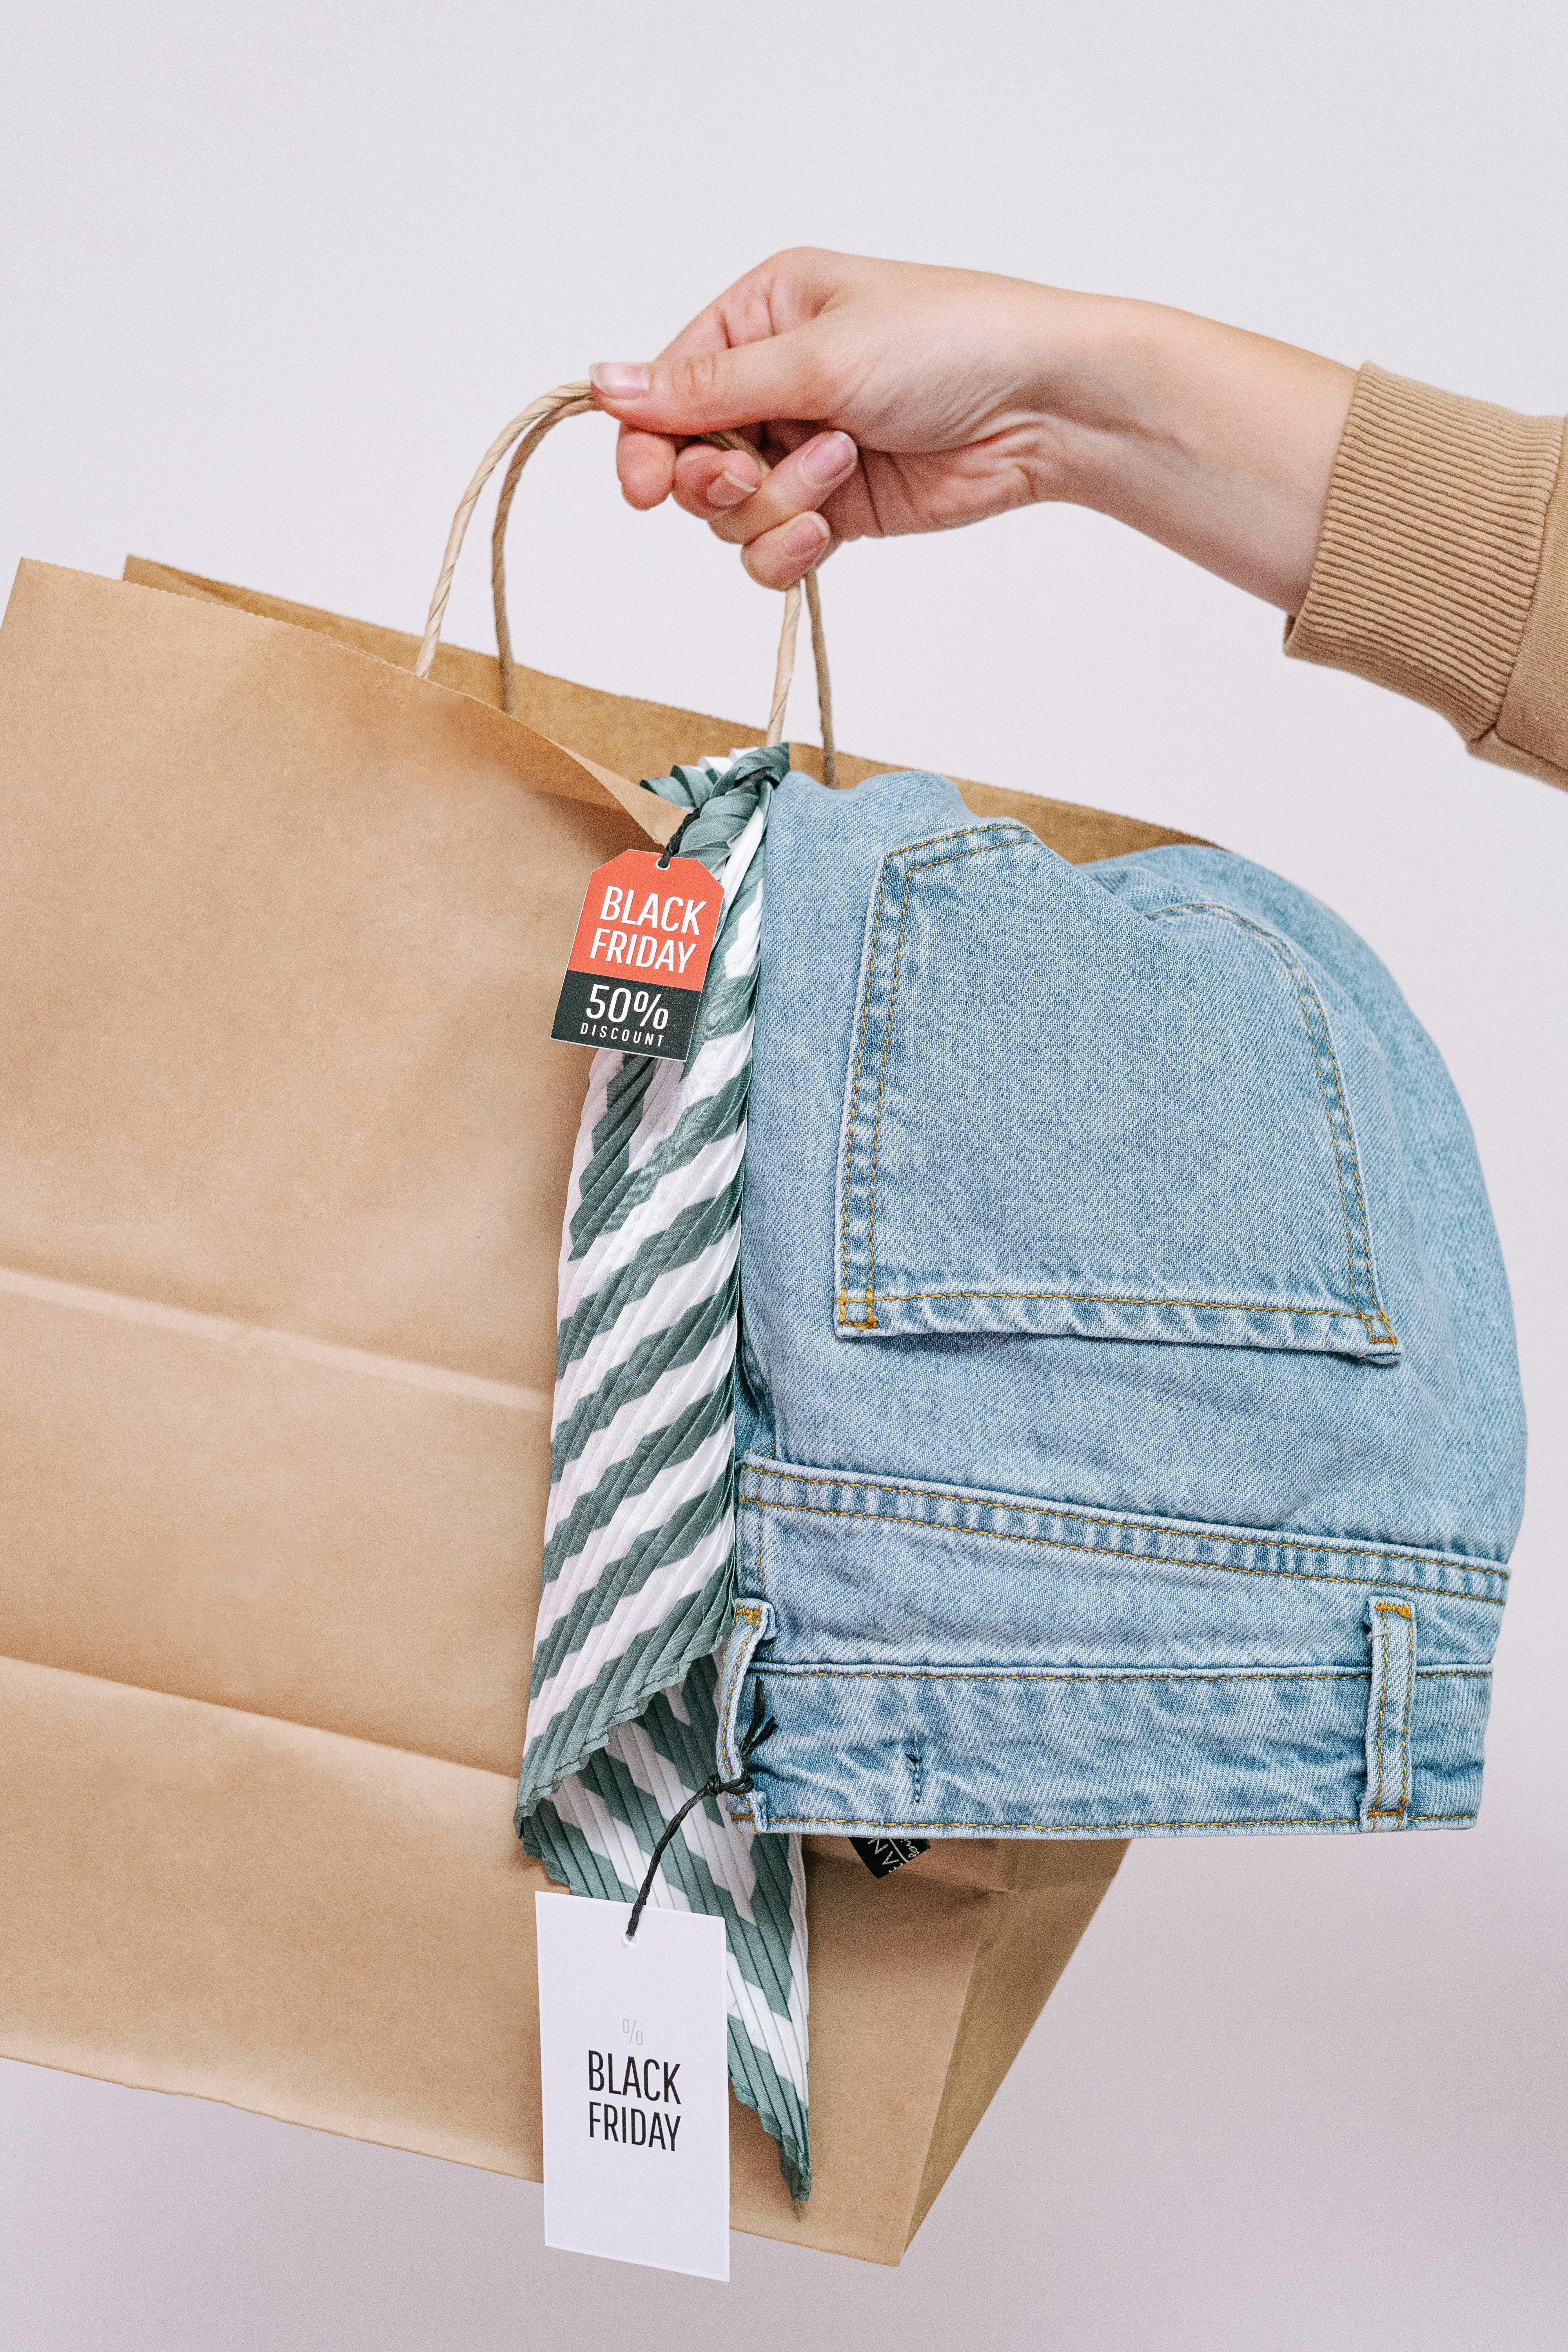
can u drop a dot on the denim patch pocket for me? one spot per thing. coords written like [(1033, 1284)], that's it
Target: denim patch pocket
[(1068, 1115)]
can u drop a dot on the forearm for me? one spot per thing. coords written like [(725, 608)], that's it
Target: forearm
[(1217, 443), (1416, 539), (950, 395)]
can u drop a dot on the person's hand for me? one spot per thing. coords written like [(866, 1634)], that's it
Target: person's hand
[(924, 378), (894, 398)]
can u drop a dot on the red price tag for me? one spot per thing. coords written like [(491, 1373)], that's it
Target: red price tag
[(634, 979)]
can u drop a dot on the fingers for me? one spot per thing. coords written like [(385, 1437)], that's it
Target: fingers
[(782, 296), (699, 390), (777, 522), (730, 367), (709, 482), (782, 557), (645, 464), (712, 482)]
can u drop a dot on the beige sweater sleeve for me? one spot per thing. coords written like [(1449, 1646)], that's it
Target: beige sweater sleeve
[(1443, 568)]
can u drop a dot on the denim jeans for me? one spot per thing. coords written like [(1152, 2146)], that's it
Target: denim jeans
[(1130, 1428)]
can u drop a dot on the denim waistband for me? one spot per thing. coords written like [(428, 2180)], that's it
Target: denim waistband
[(775, 1485)]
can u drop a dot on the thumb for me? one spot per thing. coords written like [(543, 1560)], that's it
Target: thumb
[(701, 392)]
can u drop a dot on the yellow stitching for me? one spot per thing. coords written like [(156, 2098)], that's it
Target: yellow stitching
[(1380, 1812), (934, 841), (1116, 1674), (1021, 1831), (1390, 1812), (735, 1676), (1300, 982), (1102, 1551), (1409, 1694), (985, 849), (769, 1469), (1206, 907), (855, 1096), (1300, 976), (1008, 824), (1014, 841), (762, 1578), (751, 1610), (1355, 1174), (1091, 1520), (864, 1016), (1089, 1829), (748, 1612), (1047, 1674), (877, 1122), (1382, 1711), (1118, 1299)]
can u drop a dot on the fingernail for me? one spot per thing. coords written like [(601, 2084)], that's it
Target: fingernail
[(729, 490), (805, 535), (825, 460), (619, 378)]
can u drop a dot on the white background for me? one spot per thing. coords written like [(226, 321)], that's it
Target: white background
[(272, 278)]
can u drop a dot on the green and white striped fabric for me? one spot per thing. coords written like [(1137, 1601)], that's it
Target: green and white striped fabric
[(639, 1585)]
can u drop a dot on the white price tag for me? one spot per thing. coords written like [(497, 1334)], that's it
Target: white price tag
[(635, 2080)]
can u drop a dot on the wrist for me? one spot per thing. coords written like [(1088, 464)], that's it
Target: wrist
[(1218, 443), (1102, 376)]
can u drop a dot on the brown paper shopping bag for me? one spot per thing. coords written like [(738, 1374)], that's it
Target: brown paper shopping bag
[(283, 1148)]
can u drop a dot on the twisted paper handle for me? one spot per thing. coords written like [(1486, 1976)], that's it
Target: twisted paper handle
[(521, 437)]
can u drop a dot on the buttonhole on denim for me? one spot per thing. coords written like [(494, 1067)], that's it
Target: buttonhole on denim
[(913, 1758)]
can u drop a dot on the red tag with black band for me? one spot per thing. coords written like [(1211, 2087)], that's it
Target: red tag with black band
[(634, 979)]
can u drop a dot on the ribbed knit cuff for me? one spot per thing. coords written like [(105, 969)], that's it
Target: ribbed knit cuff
[(1431, 550)]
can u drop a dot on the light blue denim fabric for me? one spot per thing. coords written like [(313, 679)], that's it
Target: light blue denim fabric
[(1132, 1429)]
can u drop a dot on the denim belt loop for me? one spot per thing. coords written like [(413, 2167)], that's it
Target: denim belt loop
[(753, 1625), (1391, 1627)]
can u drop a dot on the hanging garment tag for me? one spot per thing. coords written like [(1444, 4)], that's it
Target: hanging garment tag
[(633, 2040), (883, 1855), (634, 979)]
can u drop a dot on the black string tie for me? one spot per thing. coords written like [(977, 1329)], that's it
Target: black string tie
[(672, 846), (740, 1785)]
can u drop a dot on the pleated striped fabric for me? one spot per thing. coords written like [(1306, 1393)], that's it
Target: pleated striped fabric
[(638, 1582)]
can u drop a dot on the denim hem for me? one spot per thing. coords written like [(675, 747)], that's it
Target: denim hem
[(1022, 1754)]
